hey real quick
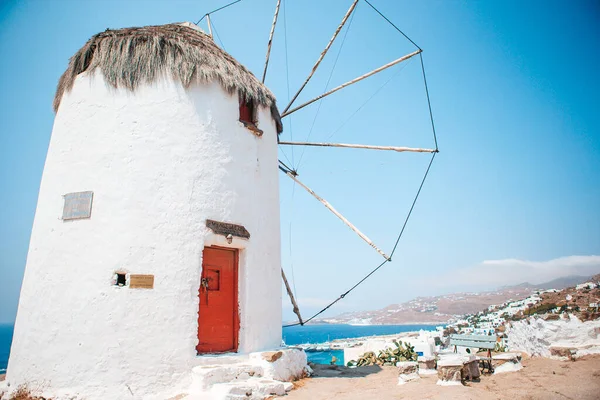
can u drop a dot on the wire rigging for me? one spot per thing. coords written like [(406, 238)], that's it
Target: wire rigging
[(392, 24), (287, 71), (218, 9), (286, 169), (218, 37), (327, 85), (400, 68), (428, 102), (341, 296)]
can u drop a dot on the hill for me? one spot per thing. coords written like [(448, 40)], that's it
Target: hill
[(446, 308), (559, 283)]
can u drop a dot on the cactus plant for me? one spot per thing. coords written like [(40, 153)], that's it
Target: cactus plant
[(389, 356)]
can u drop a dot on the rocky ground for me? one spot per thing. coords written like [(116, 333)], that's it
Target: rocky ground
[(541, 378)]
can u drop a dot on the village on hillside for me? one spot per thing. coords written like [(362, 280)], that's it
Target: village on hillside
[(558, 325)]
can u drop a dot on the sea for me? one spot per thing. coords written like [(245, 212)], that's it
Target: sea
[(308, 334), (321, 333), (6, 333)]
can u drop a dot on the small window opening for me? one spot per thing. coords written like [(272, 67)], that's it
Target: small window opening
[(248, 116), (121, 279), (247, 113)]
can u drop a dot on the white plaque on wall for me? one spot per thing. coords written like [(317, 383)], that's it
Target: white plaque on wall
[(77, 205)]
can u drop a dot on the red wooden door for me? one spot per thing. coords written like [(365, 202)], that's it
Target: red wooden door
[(218, 314)]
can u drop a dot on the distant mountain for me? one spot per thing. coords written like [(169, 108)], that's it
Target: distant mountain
[(430, 310), (559, 283), (442, 309)]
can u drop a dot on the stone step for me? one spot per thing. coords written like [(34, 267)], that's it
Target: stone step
[(251, 388), (206, 376), (220, 359)]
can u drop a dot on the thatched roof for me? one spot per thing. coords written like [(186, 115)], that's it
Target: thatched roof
[(133, 56)]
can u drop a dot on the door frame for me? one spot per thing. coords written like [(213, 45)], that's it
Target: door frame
[(236, 305)]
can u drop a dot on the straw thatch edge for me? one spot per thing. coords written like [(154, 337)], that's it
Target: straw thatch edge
[(130, 57)]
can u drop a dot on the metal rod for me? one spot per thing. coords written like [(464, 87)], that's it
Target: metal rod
[(209, 27), (271, 40), (289, 291), (360, 78), (361, 146), (314, 69), (334, 211)]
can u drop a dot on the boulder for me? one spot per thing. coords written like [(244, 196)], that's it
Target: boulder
[(407, 371), (450, 371), (507, 362), (427, 365), (502, 358), (471, 370), (272, 356), (565, 352)]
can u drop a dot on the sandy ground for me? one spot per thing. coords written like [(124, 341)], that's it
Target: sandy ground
[(539, 379)]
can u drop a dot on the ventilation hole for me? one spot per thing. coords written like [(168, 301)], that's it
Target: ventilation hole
[(121, 279)]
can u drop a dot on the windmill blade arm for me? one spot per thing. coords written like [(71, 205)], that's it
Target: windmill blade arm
[(364, 237), (314, 68), (353, 81), (362, 146), (271, 40), (296, 309)]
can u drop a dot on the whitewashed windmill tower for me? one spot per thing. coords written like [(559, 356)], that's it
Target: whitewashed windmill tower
[(156, 239), (156, 236)]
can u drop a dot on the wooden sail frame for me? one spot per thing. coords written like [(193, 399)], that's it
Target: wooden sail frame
[(351, 82), (293, 174), (349, 224), (271, 40), (209, 26), (323, 53), (295, 307), (361, 146)]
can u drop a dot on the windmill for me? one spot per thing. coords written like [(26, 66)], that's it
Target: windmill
[(293, 107), (155, 251)]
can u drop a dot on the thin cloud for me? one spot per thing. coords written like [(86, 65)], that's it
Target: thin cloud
[(515, 271)]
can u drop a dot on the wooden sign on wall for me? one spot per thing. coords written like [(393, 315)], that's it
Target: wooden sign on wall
[(225, 228), (141, 281)]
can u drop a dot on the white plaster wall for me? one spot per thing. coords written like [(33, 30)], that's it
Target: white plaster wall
[(160, 161)]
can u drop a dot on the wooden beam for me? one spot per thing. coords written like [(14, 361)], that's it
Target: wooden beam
[(209, 26), (293, 300), (360, 78), (314, 68), (271, 40), (335, 212), (361, 146)]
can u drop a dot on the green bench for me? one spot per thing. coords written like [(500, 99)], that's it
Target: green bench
[(476, 341)]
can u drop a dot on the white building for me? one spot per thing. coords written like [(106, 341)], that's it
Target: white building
[(156, 235)]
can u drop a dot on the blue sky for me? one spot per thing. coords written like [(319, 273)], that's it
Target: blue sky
[(513, 195)]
